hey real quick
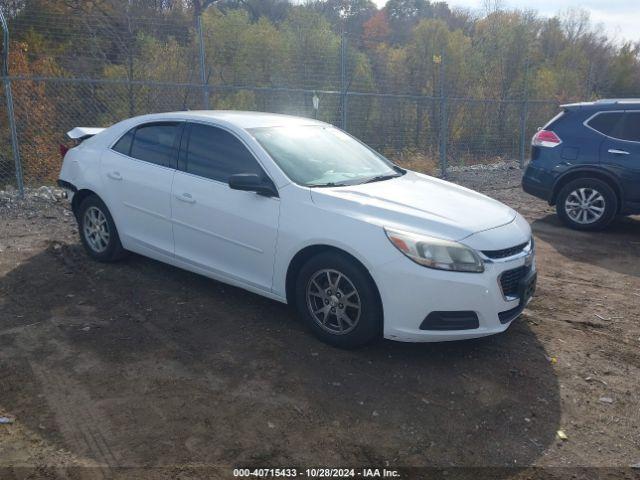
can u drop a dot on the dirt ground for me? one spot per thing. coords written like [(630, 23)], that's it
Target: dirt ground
[(109, 369)]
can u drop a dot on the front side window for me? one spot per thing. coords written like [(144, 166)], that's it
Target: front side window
[(318, 156), (606, 123), (217, 154), (156, 143)]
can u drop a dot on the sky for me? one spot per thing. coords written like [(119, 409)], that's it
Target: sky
[(619, 18)]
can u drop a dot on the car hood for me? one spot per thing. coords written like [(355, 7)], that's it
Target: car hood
[(418, 203)]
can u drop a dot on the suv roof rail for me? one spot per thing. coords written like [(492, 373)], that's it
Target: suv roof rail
[(619, 100), (604, 101)]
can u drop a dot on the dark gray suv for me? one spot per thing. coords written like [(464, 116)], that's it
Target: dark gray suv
[(586, 162)]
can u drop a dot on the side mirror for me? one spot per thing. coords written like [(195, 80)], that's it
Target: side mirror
[(251, 182)]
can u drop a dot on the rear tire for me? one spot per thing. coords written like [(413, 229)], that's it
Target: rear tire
[(98, 231), (587, 204), (338, 300)]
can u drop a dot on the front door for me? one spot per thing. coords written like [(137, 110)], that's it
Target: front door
[(228, 232)]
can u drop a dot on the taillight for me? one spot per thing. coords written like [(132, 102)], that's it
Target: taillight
[(546, 138), (63, 150)]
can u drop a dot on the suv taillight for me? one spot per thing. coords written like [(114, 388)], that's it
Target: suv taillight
[(546, 138)]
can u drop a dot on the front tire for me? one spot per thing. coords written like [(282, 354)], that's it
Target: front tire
[(98, 232), (586, 204), (338, 300)]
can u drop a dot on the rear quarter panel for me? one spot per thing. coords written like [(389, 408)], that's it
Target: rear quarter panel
[(81, 166)]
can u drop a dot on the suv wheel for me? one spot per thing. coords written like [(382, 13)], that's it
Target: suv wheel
[(586, 204), (338, 300), (98, 231)]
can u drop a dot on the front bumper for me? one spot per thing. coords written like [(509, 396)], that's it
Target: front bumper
[(410, 292)]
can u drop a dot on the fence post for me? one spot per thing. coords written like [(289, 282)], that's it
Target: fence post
[(203, 73), (523, 116), (444, 129), (343, 80), (523, 132), (12, 121)]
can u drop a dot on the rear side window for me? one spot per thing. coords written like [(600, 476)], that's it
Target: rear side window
[(629, 128), (124, 144), (606, 123), (156, 143), (217, 154)]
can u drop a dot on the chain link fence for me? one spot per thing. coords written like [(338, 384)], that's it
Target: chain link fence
[(103, 75)]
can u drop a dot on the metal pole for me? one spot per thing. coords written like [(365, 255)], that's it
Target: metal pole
[(12, 121), (523, 116), (343, 80), (444, 129), (203, 74)]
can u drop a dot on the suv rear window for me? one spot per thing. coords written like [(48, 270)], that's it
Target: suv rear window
[(606, 123), (629, 128)]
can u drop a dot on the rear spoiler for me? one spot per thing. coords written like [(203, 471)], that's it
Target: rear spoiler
[(82, 133)]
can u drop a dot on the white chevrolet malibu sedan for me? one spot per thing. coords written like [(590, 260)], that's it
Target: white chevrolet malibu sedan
[(301, 212)]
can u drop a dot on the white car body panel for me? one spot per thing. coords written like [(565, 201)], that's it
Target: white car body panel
[(249, 240), (139, 195), (228, 232)]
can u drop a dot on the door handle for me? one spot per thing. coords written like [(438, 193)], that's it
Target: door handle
[(114, 175), (186, 197), (618, 152)]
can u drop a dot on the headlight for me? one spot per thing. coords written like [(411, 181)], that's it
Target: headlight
[(436, 253)]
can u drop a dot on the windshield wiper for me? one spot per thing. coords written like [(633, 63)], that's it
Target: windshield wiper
[(328, 184), (380, 178)]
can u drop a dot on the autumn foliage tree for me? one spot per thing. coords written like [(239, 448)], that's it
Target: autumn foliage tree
[(275, 55)]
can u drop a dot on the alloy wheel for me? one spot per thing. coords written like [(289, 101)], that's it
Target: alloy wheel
[(96, 229), (585, 205), (333, 301)]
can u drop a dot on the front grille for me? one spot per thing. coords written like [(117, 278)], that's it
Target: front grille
[(505, 252), (510, 280)]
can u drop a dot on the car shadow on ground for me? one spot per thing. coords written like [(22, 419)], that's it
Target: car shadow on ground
[(139, 363), (617, 248)]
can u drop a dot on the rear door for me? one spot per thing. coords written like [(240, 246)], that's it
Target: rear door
[(620, 152), (227, 232), (138, 171)]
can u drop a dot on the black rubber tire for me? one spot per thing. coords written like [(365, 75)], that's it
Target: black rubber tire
[(369, 327), (114, 250), (610, 198)]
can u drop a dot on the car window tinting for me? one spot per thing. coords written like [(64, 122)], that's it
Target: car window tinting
[(156, 143), (629, 128), (605, 123), (124, 144), (216, 154)]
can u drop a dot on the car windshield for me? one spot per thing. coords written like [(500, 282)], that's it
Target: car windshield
[(323, 156)]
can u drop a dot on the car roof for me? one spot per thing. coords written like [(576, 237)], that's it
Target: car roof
[(238, 118), (604, 104)]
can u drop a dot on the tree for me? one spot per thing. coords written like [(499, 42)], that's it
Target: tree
[(376, 30), (625, 71), (404, 15), (350, 15), (274, 10)]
